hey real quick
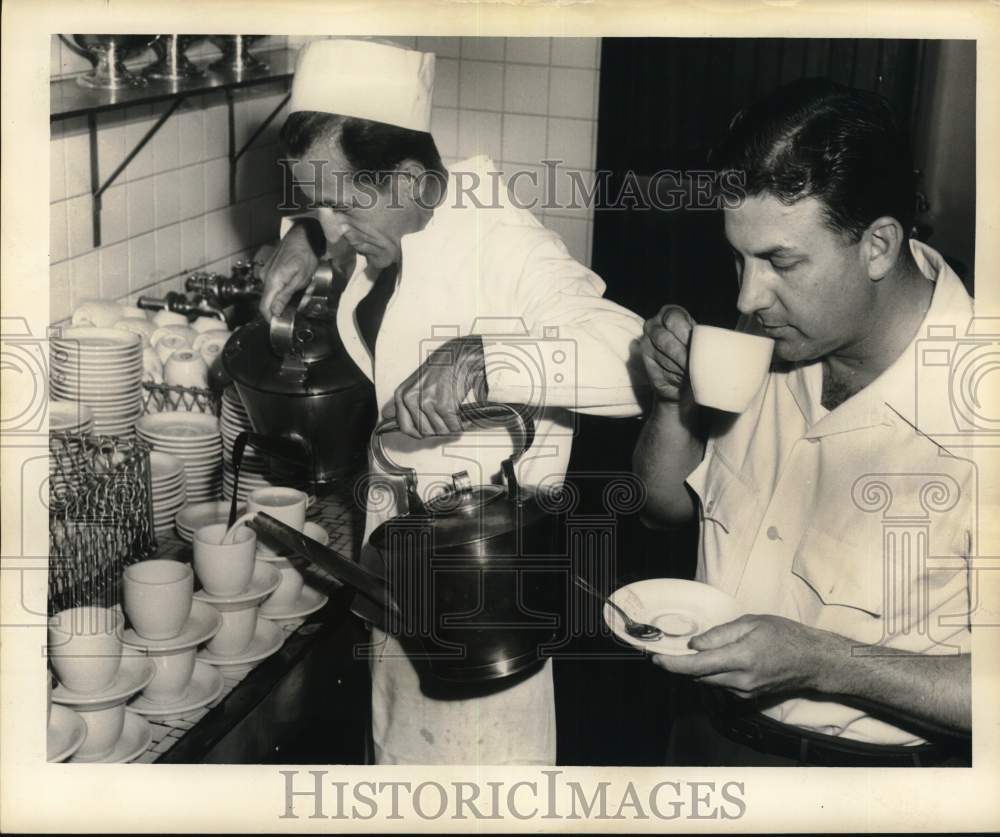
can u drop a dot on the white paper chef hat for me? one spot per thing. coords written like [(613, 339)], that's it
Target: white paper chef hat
[(367, 80)]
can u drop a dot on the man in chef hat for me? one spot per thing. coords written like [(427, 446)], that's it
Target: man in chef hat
[(426, 254)]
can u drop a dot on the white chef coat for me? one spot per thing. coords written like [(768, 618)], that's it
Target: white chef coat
[(852, 520), (551, 341)]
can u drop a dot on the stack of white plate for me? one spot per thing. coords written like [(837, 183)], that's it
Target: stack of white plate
[(169, 489), (102, 368), (233, 420), (70, 417), (194, 439)]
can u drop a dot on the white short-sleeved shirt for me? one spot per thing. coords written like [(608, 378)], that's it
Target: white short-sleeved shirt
[(854, 520)]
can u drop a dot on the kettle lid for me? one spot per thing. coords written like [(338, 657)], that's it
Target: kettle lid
[(316, 362)]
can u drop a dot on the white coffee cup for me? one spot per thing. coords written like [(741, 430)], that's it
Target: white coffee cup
[(285, 504), (289, 588), (224, 569), (202, 324), (174, 670), (85, 647), (186, 368), (239, 623), (727, 367), (158, 597), (104, 728), (164, 318)]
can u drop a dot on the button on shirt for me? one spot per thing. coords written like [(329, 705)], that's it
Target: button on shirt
[(856, 520)]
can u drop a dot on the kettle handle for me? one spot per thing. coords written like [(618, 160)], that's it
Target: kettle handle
[(283, 325), (470, 415)]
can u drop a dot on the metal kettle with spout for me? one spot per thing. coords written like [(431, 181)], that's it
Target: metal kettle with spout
[(299, 385), (473, 582), (476, 572)]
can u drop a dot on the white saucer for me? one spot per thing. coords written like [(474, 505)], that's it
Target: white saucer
[(175, 426), (133, 675), (203, 623), (205, 686), (267, 639), (264, 582), (65, 733), (689, 605), (309, 601), (310, 530), (135, 739)]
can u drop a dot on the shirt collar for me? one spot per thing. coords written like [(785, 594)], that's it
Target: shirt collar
[(891, 399)]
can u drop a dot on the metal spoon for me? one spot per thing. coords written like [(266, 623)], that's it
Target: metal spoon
[(639, 630)]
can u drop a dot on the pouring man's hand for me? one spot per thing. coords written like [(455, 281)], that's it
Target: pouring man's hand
[(290, 268), (664, 348), (757, 655), (427, 402)]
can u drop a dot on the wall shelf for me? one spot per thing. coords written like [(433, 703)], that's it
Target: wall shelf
[(68, 99)]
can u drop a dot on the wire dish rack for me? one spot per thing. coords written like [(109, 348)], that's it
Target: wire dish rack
[(163, 398), (100, 517)]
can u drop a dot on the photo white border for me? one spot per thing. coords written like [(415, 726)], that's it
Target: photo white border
[(35, 796)]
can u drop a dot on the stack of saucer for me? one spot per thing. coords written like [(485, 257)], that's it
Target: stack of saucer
[(169, 489), (102, 368), (194, 439), (168, 625), (96, 679), (235, 584)]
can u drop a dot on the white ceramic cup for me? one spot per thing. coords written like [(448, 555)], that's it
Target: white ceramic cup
[(285, 504), (289, 588), (174, 670), (85, 647), (224, 569), (104, 728), (727, 367), (186, 368), (158, 597), (238, 626), (202, 324), (165, 318)]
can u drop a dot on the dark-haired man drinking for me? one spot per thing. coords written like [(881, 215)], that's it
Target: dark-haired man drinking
[(447, 251), (826, 508)]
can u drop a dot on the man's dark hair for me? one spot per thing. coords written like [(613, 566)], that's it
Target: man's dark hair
[(374, 148), (816, 138)]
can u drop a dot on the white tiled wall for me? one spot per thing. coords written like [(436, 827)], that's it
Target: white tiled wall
[(520, 100), (168, 212)]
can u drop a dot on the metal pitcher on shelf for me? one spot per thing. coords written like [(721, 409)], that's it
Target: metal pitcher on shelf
[(474, 581), (108, 54)]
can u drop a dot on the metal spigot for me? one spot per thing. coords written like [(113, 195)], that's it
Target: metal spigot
[(225, 290), (180, 304)]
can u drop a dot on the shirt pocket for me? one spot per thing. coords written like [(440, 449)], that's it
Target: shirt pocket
[(841, 571), (728, 505)]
